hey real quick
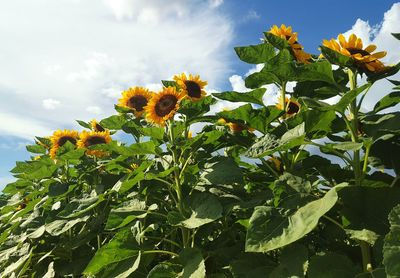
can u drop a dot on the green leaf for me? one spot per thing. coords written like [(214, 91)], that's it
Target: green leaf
[(336, 58), (292, 262), (225, 171), (115, 122), (193, 109), (83, 124), (368, 207), (193, 263), (59, 227), (205, 208), (255, 54), (391, 247), (364, 235), (331, 265), (252, 265), (276, 41), (164, 270), (36, 149), (170, 83), (387, 101), (396, 35), (153, 132), (269, 144), (346, 146), (122, 247), (345, 101), (258, 119), (143, 148), (254, 96), (270, 230)]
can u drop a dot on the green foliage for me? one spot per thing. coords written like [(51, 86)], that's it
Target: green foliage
[(259, 191)]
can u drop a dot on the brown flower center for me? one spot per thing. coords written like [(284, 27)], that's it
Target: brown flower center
[(99, 127), (358, 51), (193, 89), (94, 140), (137, 102), (64, 140), (293, 108), (165, 105)]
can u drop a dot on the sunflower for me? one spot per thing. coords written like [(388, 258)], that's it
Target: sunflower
[(192, 86), (135, 98), (163, 105), (60, 137), (234, 127), (277, 164), (291, 37), (95, 126), (353, 48), (91, 138), (292, 106)]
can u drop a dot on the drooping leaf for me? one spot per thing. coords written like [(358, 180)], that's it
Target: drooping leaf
[(387, 101), (255, 54), (269, 229), (113, 122), (193, 263), (204, 208), (331, 265), (391, 247), (254, 96)]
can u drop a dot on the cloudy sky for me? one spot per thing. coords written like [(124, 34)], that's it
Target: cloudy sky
[(70, 59)]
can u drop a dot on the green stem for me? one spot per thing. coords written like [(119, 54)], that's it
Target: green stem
[(265, 163), (161, 252), (98, 242), (365, 166), (358, 175), (333, 221)]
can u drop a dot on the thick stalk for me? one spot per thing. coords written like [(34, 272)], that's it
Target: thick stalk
[(358, 174)]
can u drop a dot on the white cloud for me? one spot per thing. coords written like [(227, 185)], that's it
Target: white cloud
[(94, 109), (251, 15), (50, 103), (215, 3), (237, 83), (82, 54)]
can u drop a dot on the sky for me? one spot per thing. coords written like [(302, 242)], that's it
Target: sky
[(70, 59)]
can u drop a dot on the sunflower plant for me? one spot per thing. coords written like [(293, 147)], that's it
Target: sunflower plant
[(302, 188)]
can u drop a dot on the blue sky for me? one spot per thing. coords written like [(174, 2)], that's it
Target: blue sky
[(70, 60)]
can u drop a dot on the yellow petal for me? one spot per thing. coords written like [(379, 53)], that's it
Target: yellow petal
[(352, 41), (359, 43), (342, 40), (379, 55), (370, 48)]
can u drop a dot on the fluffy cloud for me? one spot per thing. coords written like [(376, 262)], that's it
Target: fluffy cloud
[(82, 54), (50, 103)]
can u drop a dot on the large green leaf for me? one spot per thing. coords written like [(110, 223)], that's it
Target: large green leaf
[(387, 101), (258, 119), (225, 171), (269, 144), (255, 54), (254, 96), (292, 262), (391, 247), (113, 122), (204, 208), (252, 265), (337, 58), (193, 263), (269, 229), (122, 247), (331, 265)]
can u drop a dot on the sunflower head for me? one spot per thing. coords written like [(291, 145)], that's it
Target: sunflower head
[(91, 138), (287, 34), (292, 106), (234, 127), (60, 137), (364, 58), (163, 105), (276, 163), (191, 86), (136, 99), (95, 126)]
